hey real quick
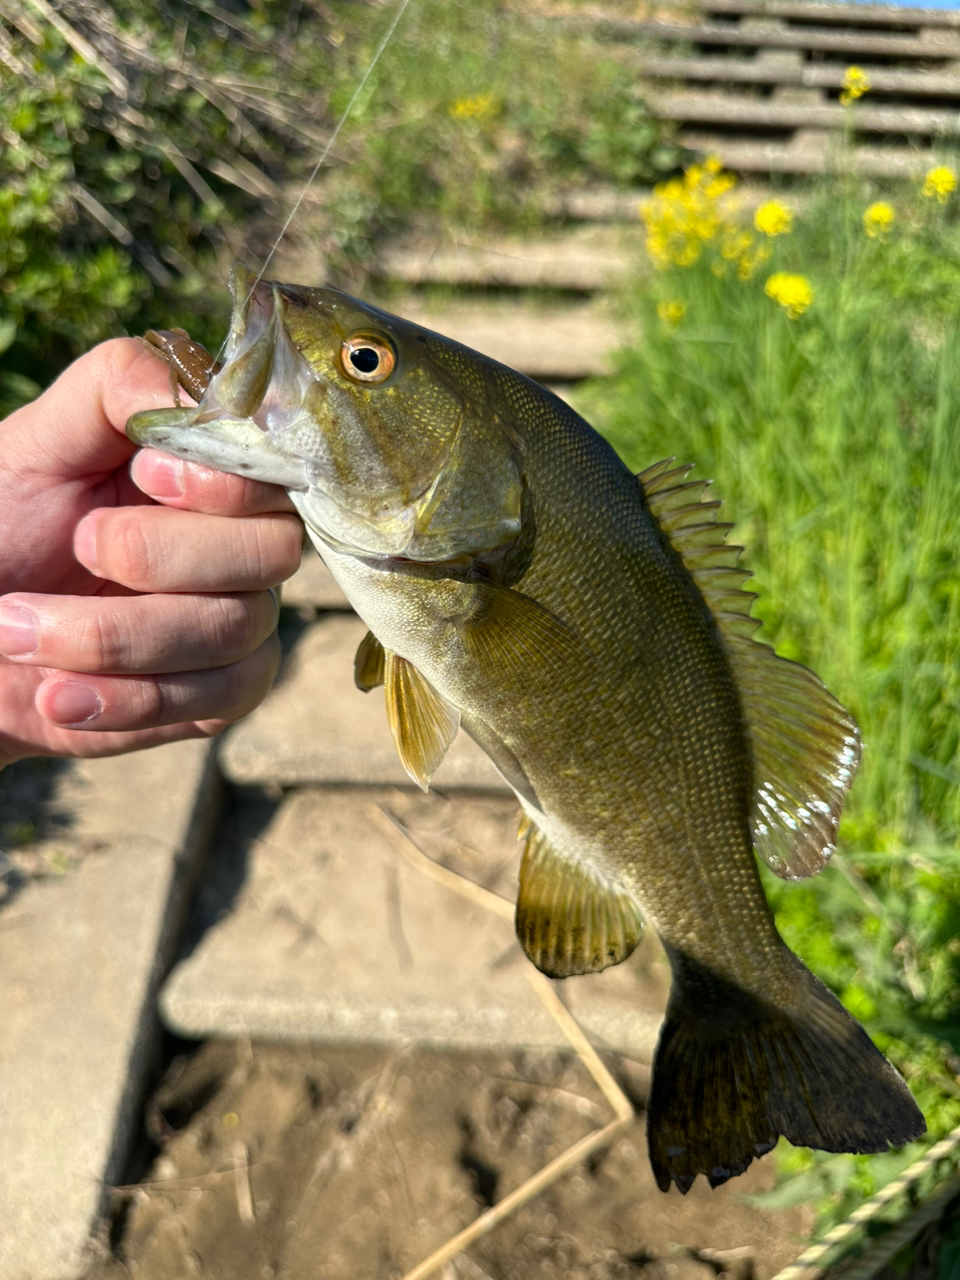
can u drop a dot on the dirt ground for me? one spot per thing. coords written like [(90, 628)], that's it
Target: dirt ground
[(347, 1163)]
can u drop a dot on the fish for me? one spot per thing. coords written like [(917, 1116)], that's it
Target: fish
[(590, 629)]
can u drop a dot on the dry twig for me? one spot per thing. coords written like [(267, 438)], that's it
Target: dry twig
[(586, 1146)]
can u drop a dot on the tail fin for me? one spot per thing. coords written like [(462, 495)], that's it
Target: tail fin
[(733, 1072)]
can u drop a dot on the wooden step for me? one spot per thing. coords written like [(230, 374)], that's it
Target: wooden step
[(883, 80), (737, 110), (926, 44), (582, 260), (610, 204), (806, 157), (846, 15)]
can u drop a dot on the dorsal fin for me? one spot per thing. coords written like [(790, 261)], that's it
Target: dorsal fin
[(570, 918), (805, 747)]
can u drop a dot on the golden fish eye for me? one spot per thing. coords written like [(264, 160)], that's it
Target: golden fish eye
[(367, 358)]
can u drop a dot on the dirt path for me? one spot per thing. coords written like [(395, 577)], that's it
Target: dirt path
[(309, 1164)]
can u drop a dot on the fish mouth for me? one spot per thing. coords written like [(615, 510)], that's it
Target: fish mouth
[(259, 360), (239, 423)]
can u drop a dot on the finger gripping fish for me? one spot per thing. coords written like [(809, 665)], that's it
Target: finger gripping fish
[(589, 629)]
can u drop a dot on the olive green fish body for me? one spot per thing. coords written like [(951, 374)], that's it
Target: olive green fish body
[(618, 738), (588, 628)]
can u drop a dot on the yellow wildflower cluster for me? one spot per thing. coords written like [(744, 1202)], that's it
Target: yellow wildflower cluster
[(856, 83), (690, 213), (773, 219), (939, 184), (878, 219), (480, 107), (793, 293), (671, 312)]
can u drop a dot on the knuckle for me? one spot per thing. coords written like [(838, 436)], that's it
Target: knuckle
[(131, 551), (102, 638), (232, 627), (151, 703), (274, 544)]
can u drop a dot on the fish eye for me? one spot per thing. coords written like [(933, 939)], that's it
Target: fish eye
[(367, 358)]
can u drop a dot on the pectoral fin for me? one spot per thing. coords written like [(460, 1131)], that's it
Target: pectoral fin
[(423, 723), (570, 919), (512, 637)]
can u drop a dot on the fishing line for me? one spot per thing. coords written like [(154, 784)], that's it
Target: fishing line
[(388, 36)]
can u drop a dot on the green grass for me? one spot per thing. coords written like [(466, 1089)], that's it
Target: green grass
[(834, 439)]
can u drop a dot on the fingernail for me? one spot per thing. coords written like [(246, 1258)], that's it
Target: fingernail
[(70, 703), (85, 545), (163, 478), (18, 632)]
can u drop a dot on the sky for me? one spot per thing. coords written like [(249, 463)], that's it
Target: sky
[(921, 4)]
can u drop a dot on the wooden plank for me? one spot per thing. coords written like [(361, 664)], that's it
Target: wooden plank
[(730, 109), (608, 204), (583, 260), (777, 157), (937, 84), (854, 45), (845, 15)]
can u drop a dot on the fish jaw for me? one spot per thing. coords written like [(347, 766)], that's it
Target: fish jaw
[(381, 472), (235, 445)]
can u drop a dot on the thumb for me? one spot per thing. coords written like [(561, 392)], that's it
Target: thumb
[(75, 428)]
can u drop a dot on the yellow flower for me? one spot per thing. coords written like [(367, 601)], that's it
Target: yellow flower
[(793, 293), (773, 219), (685, 214), (482, 107), (878, 219), (939, 183), (671, 312), (855, 84)]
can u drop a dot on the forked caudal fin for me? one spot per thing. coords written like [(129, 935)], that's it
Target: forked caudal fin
[(733, 1072)]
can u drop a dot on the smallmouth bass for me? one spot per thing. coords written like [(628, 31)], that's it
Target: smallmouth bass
[(589, 629)]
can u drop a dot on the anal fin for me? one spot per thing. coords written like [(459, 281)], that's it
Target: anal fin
[(422, 721), (571, 919)]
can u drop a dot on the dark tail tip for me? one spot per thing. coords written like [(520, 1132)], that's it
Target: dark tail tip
[(732, 1073)]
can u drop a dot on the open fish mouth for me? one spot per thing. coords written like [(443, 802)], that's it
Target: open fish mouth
[(246, 407), (264, 378)]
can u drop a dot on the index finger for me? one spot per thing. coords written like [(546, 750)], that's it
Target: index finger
[(192, 487)]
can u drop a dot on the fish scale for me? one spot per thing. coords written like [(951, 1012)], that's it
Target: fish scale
[(589, 629)]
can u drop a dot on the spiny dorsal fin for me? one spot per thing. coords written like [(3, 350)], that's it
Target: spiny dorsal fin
[(570, 919), (805, 746), (423, 722), (368, 665)]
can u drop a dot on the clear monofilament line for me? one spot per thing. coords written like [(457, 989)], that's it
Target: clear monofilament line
[(388, 36)]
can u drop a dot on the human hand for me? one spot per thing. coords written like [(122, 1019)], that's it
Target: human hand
[(135, 606)]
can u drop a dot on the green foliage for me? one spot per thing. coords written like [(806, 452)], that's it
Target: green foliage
[(130, 176), (834, 438), (104, 218), (816, 374), (472, 112)]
